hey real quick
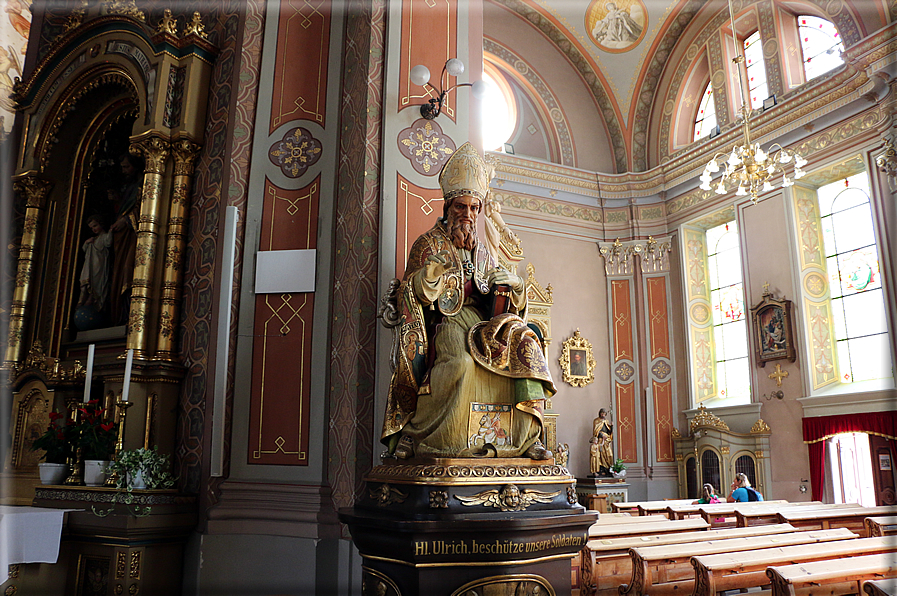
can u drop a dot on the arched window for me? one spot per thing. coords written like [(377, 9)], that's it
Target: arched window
[(820, 44), (745, 465), (858, 311), (729, 323), (705, 121), (500, 113), (710, 468), (756, 70)]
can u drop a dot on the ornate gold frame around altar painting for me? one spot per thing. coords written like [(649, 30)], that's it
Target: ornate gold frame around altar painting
[(577, 361), (773, 338)]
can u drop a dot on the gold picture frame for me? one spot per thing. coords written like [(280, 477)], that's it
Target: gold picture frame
[(774, 339), (577, 361)]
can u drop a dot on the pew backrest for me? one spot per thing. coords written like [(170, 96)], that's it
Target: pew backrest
[(840, 576)]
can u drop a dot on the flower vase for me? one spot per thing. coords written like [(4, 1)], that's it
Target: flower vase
[(52, 473), (95, 472), (621, 474)]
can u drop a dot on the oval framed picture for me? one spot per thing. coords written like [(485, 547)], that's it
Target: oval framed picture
[(616, 25)]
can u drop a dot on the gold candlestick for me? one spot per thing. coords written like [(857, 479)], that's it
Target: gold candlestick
[(121, 414), (75, 477)]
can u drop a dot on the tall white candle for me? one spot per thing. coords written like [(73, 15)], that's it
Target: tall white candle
[(88, 376), (128, 363)]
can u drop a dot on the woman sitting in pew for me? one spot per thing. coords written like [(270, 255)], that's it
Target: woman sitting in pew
[(708, 496), (742, 491)]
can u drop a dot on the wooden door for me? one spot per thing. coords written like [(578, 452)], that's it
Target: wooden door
[(883, 470)]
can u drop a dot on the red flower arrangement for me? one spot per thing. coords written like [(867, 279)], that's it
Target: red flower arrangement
[(96, 436), (58, 441)]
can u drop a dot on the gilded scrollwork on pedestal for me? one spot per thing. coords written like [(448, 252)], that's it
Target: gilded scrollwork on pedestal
[(387, 495), (572, 498), (509, 498), (438, 499)]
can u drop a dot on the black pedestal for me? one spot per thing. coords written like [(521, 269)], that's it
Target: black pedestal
[(450, 527)]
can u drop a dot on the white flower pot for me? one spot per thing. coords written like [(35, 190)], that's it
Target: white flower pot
[(95, 472), (620, 474), (135, 480), (52, 473)]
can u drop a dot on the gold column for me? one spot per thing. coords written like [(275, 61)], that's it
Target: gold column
[(35, 191), (155, 151), (185, 152)]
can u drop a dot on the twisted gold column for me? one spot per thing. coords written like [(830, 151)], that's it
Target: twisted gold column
[(155, 151), (185, 152), (35, 191)]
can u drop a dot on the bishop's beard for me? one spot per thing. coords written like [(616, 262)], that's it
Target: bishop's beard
[(463, 234)]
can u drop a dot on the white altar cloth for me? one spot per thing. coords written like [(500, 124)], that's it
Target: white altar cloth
[(29, 535)]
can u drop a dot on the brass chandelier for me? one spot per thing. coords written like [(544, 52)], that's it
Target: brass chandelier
[(748, 166)]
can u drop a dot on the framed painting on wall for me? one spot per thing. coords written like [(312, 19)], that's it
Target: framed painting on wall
[(772, 329), (577, 361)]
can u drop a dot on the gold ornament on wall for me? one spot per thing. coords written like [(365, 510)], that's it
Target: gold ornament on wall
[(577, 361)]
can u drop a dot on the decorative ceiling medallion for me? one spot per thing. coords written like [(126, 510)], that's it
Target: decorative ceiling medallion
[(700, 313), (426, 146), (705, 418), (616, 25), (296, 152), (815, 285)]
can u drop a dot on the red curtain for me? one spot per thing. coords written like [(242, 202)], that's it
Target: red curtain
[(817, 430)]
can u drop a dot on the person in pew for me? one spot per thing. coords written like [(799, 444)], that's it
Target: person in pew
[(742, 491), (708, 496)]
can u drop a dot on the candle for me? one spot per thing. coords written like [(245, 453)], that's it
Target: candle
[(128, 363), (88, 376)]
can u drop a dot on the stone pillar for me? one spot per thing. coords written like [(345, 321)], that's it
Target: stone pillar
[(155, 151), (185, 152), (35, 191)]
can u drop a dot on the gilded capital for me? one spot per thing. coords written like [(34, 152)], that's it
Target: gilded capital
[(154, 150), (185, 153), (34, 189)]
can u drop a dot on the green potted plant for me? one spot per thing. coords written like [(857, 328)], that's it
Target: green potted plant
[(58, 445), (618, 469), (96, 438), (142, 468)]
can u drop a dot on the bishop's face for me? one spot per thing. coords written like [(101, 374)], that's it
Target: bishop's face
[(462, 220)]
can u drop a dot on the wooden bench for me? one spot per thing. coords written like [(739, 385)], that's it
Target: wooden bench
[(607, 519), (721, 572), (605, 564), (881, 587), (840, 576), (652, 507), (881, 526), (667, 570), (695, 510), (834, 517), (770, 513), (650, 528)]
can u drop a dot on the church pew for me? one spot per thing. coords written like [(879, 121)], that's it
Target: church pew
[(623, 507), (718, 509), (881, 526), (834, 577), (667, 570), (880, 587), (605, 564), (721, 572), (653, 507), (834, 517), (769, 514), (607, 519), (664, 526)]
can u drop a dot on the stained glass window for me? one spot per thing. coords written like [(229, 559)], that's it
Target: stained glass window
[(821, 45), (858, 310), (756, 70), (729, 321), (705, 121)]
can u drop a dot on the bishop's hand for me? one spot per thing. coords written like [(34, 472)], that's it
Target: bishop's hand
[(503, 277), (436, 265)]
